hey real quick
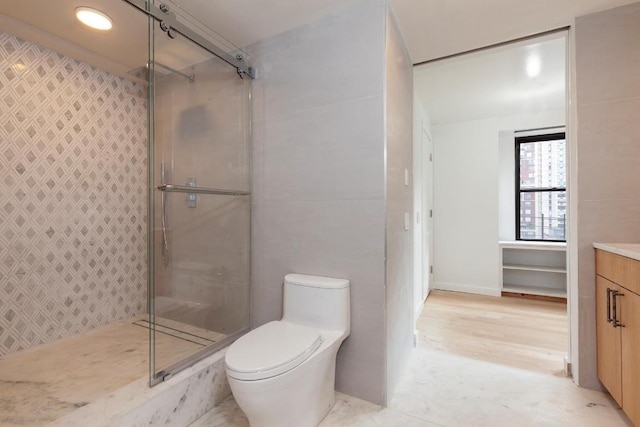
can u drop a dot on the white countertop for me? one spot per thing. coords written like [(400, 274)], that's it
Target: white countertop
[(630, 250)]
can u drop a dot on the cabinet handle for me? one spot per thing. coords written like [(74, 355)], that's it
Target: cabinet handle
[(609, 319), (616, 322)]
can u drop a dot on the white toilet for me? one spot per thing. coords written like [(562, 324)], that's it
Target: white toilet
[(283, 373)]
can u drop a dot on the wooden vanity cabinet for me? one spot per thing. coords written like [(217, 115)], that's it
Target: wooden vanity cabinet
[(618, 329), (631, 357), (609, 342)]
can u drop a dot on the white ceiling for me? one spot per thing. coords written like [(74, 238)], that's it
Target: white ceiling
[(431, 28), (494, 82), (243, 22), (484, 84), (126, 43), (240, 22), (437, 28)]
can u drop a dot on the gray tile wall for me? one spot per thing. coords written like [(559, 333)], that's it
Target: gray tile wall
[(399, 200), (72, 196), (608, 133), (202, 132), (318, 183)]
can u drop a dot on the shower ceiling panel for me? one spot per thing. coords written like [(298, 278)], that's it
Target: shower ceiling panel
[(244, 22), (241, 22), (125, 45)]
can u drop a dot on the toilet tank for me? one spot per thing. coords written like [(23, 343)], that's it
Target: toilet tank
[(317, 302)]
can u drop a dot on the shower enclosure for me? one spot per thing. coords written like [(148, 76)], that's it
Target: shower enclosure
[(125, 201), (199, 190)]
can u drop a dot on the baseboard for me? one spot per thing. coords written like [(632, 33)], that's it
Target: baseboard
[(417, 312), (468, 289), (562, 300)]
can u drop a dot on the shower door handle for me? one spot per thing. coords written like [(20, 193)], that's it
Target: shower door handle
[(163, 201), (165, 238)]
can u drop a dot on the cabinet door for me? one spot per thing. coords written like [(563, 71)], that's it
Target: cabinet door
[(630, 354), (609, 359)]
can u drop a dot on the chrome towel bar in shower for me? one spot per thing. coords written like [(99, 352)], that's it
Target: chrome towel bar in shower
[(171, 188)]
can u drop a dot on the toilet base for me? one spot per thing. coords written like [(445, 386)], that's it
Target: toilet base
[(301, 397)]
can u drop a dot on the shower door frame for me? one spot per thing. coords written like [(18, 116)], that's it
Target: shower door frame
[(168, 24)]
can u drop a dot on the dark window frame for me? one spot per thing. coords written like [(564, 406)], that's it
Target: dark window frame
[(529, 139)]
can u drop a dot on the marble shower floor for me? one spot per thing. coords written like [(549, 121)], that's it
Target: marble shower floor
[(448, 387), (42, 384)]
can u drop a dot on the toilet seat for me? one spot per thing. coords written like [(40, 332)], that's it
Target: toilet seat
[(270, 350)]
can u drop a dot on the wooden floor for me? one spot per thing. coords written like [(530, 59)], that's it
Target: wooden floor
[(517, 332)]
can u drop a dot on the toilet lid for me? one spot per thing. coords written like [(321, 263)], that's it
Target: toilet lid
[(270, 350)]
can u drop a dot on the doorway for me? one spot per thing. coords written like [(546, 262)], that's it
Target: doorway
[(474, 105), (423, 210)]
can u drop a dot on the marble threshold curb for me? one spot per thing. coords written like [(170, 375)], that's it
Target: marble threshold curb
[(176, 402)]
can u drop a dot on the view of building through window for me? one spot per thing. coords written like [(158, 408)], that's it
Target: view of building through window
[(542, 201)]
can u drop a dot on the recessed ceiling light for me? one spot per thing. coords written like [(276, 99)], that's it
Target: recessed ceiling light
[(534, 65), (93, 18)]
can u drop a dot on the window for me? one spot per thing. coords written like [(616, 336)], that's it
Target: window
[(541, 187)]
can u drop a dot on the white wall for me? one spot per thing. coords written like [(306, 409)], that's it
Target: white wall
[(466, 199), (398, 202), (506, 185)]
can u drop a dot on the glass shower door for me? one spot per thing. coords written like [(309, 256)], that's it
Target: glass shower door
[(199, 290)]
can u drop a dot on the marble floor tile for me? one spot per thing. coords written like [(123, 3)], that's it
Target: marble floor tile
[(475, 382), (225, 414), (349, 411), (456, 391), (441, 389)]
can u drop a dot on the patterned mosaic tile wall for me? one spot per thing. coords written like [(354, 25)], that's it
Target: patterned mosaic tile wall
[(72, 196)]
